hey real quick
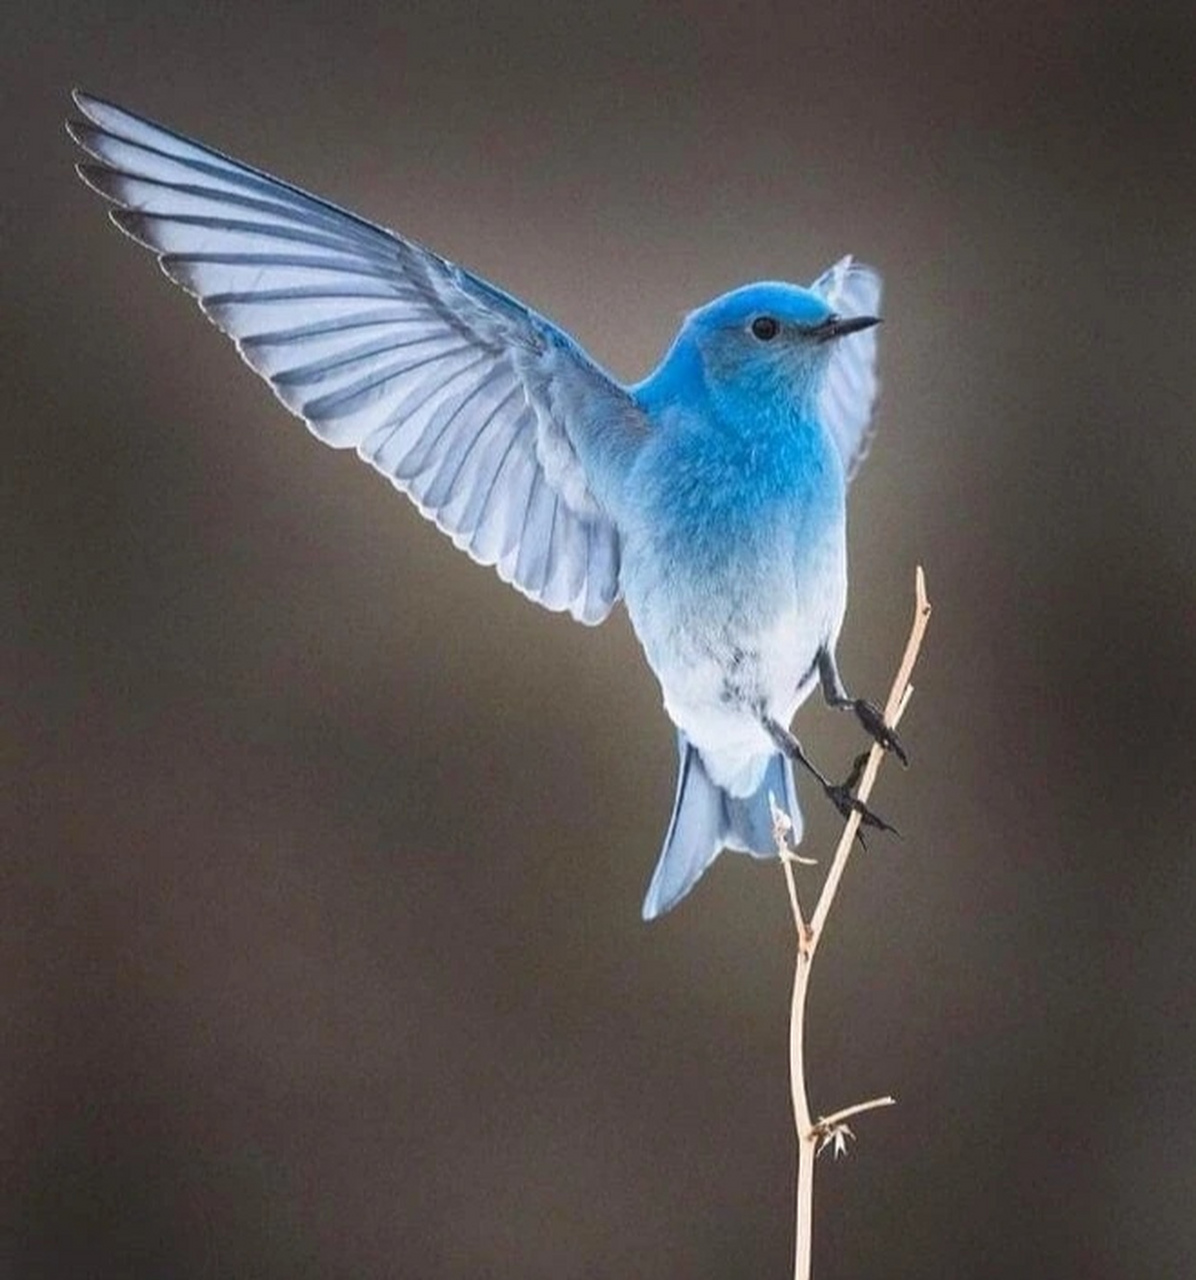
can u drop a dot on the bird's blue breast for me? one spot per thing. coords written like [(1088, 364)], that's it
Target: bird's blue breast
[(724, 524), (720, 491)]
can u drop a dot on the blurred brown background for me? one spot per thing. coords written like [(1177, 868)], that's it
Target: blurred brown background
[(320, 948)]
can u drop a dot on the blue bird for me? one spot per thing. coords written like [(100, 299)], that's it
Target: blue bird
[(711, 496)]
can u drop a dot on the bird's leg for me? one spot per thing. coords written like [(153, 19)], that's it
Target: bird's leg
[(838, 793), (868, 714)]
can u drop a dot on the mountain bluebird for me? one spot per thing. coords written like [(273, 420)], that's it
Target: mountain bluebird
[(710, 496)]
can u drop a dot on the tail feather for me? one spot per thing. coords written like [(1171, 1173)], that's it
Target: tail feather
[(749, 819), (706, 819)]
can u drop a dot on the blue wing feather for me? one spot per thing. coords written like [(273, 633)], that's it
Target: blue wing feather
[(444, 383)]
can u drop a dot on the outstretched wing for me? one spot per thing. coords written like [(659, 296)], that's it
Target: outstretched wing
[(467, 401), (849, 391)]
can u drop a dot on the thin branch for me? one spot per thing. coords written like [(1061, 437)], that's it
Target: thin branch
[(782, 825), (827, 1123), (807, 1144), (899, 697), (812, 1136)]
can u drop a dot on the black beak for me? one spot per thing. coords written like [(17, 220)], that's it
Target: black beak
[(841, 326)]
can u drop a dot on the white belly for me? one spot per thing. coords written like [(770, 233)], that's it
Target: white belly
[(726, 659)]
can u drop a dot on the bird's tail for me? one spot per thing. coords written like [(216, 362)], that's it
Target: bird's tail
[(707, 819)]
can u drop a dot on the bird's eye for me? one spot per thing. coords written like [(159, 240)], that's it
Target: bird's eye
[(765, 328)]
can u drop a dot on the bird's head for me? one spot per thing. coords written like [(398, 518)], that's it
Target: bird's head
[(770, 337), (760, 343)]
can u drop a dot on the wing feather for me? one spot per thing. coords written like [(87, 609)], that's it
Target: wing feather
[(472, 404), (849, 392)]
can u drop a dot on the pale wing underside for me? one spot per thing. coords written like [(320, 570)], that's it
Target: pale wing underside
[(445, 384), (849, 392)]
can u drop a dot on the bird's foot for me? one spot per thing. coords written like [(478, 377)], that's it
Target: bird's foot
[(873, 721), (840, 795)]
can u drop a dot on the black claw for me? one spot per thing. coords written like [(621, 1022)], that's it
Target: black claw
[(857, 771), (840, 796), (843, 800), (868, 818), (873, 721)]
